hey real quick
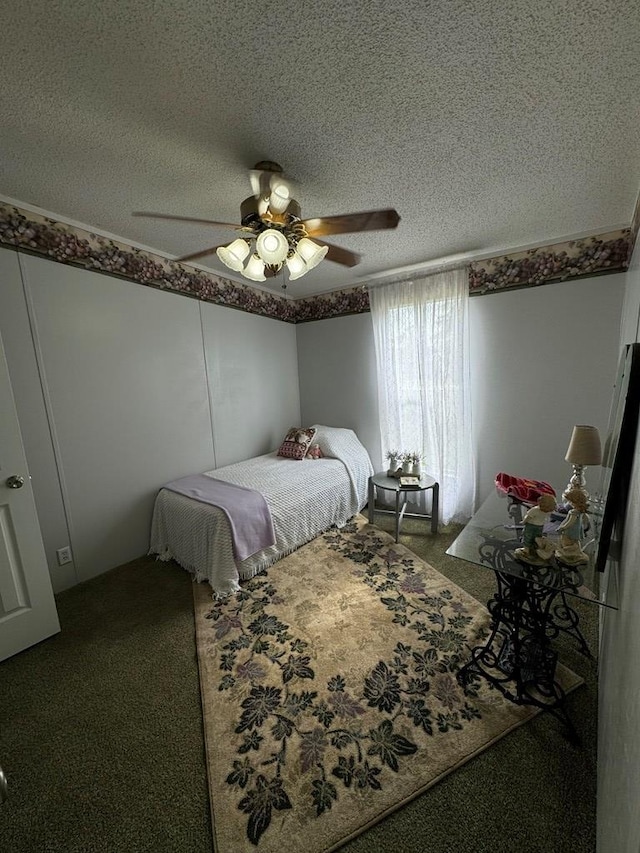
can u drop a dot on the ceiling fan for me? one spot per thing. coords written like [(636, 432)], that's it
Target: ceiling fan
[(274, 235)]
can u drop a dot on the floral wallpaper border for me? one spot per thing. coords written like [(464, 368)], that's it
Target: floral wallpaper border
[(72, 245), (337, 303), (69, 244), (556, 262)]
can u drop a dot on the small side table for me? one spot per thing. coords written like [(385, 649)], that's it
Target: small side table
[(392, 484)]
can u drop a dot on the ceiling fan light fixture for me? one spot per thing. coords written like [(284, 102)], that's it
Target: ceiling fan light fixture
[(234, 255), (311, 252), (254, 270), (274, 232), (254, 180), (296, 266), (272, 246), (280, 195)]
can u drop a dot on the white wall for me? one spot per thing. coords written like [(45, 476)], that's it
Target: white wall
[(542, 360), (123, 367), (132, 379), (252, 374), (337, 366), (630, 326), (619, 675)]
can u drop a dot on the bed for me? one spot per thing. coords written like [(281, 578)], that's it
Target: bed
[(305, 497)]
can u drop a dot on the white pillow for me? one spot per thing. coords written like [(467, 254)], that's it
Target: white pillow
[(326, 435)]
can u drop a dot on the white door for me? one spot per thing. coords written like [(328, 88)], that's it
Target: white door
[(27, 606)]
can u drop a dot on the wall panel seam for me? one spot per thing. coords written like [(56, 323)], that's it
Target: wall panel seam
[(208, 385)]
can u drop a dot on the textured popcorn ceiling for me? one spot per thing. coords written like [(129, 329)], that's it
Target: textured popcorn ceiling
[(488, 125)]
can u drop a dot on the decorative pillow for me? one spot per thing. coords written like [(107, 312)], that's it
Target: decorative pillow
[(296, 442), (315, 452)]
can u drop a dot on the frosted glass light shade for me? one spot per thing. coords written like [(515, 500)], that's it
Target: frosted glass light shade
[(233, 255), (254, 269), (584, 447), (280, 196), (311, 252), (272, 246), (296, 266), (254, 180)]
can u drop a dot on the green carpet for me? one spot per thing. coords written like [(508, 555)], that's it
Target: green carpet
[(101, 736)]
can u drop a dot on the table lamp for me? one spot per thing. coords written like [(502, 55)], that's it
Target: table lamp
[(584, 449)]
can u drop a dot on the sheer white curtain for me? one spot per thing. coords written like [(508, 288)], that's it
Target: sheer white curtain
[(421, 331)]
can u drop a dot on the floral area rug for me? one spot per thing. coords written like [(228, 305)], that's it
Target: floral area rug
[(329, 692)]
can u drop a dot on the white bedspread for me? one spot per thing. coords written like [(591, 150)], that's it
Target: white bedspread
[(305, 497)]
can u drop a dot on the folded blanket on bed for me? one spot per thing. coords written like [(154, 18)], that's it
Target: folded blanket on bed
[(247, 511)]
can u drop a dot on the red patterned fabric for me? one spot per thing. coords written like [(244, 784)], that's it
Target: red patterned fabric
[(296, 442), (527, 491)]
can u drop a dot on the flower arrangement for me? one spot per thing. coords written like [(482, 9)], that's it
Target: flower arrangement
[(409, 461), (395, 461), (416, 463)]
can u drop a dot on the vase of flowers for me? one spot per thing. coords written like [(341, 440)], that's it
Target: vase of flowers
[(394, 462), (407, 463), (416, 464)]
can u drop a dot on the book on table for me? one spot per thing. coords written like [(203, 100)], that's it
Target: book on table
[(410, 482)]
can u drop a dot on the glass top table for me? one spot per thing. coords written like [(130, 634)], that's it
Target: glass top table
[(492, 535)]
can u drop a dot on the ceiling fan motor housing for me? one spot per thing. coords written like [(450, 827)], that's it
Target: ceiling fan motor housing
[(250, 218), (268, 166)]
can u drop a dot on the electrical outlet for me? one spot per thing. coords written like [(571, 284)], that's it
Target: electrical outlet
[(64, 555)]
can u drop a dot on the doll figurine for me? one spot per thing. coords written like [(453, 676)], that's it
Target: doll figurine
[(572, 529), (535, 548)]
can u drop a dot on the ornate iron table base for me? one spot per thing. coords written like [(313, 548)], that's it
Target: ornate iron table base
[(517, 658)]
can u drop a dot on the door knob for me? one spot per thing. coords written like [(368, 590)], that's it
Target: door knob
[(15, 482)]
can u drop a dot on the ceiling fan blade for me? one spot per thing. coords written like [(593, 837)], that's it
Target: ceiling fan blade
[(347, 223), (183, 219), (201, 254), (339, 255)]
